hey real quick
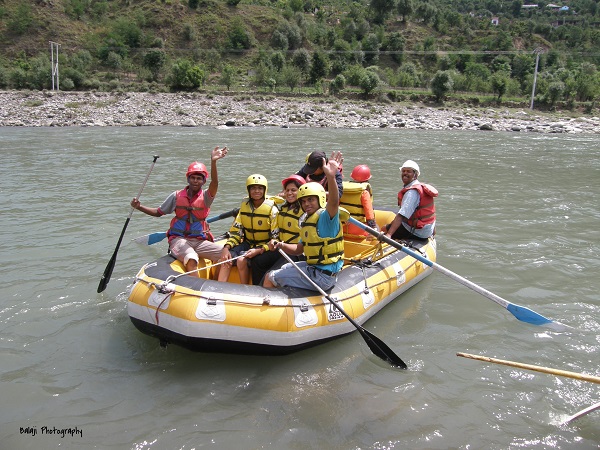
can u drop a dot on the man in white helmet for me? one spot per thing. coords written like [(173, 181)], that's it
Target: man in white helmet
[(416, 217)]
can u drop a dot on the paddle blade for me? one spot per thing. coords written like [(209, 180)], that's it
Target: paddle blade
[(380, 349), (156, 237), (107, 273)]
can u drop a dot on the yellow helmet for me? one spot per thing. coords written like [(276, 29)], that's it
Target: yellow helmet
[(257, 179), (312, 188)]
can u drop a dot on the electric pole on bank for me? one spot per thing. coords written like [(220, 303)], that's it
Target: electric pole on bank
[(537, 52), (54, 56)]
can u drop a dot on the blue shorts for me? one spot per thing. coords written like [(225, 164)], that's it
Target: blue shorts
[(289, 275)]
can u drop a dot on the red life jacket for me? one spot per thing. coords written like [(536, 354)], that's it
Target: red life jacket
[(189, 220), (425, 212)]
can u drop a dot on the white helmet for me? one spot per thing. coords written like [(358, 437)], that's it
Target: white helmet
[(410, 164)]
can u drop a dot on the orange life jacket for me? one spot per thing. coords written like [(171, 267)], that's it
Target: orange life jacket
[(425, 212), (190, 217)]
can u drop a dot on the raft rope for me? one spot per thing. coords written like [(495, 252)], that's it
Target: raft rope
[(362, 263)]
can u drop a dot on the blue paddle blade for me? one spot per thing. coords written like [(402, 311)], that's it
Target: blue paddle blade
[(156, 237), (527, 315)]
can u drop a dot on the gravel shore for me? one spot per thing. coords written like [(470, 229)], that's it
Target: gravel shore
[(62, 109)]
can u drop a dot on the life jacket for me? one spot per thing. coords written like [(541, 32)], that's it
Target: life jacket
[(351, 199), (190, 217), (425, 212), (288, 223), (253, 224), (322, 250)]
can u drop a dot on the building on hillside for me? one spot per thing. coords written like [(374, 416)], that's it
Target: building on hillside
[(529, 6), (495, 21)]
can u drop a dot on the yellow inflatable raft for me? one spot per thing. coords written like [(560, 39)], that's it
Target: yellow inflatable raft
[(210, 316)]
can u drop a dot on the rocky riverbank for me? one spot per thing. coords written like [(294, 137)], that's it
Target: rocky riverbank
[(61, 109)]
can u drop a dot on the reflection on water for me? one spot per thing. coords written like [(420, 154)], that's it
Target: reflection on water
[(518, 215)]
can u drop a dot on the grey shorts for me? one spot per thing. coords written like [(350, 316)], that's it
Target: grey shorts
[(185, 249)]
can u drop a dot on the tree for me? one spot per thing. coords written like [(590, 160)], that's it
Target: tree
[(395, 44), (277, 61), (154, 60), (586, 82), (337, 84), (185, 75), (426, 11), (370, 46), (369, 81), (319, 67), (227, 76), (499, 84), (556, 90), (239, 37), (301, 59), (290, 76), (405, 8), (381, 9), (114, 61), (441, 84)]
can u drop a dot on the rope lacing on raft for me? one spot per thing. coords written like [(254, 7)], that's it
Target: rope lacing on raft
[(362, 263)]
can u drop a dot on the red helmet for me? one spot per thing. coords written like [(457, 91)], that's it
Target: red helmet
[(297, 178), (361, 173), (197, 167)]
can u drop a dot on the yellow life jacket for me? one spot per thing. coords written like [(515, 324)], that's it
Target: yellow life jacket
[(288, 223), (351, 199), (322, 250), (254, 225)]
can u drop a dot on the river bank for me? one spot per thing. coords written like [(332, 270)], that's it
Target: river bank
[(62, 109)]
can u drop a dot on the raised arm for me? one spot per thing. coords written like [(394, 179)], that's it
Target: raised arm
[(215, 155), (330, 169)]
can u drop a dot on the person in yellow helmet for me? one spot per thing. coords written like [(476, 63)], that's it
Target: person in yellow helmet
[(253, 228), (321, 237), (189, 234)]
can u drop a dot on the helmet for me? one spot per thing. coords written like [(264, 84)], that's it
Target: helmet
[(361, 173), (257, 179), (410, 164), (197, 167), (297, 178), (312, 188)]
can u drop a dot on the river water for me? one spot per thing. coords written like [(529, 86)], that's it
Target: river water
[(517, 214)]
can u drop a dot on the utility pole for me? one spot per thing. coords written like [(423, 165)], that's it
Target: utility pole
[(54, 56), (537, 52)]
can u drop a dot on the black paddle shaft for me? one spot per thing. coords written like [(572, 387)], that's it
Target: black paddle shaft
[(377, 346), (111, 264)]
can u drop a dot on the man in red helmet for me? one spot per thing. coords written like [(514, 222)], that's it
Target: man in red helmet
[(189, 234), (358, 200)]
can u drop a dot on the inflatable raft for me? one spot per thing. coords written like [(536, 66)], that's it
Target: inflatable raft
[(210, 316)]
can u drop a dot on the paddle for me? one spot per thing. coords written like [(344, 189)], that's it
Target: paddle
[(377, 346), (562, 373), (520, 312), (111, 264), (153, 238)]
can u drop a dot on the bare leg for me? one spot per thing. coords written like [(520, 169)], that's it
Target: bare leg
[(243, 270), (224, 272), (192, 264), (267, 281)]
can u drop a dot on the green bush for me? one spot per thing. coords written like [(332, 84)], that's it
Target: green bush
[(21, 19), (338, 84)]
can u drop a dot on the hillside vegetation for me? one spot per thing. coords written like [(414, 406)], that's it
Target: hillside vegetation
[(473, 50)]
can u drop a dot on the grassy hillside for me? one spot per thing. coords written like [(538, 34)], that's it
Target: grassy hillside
[(279, 44)]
